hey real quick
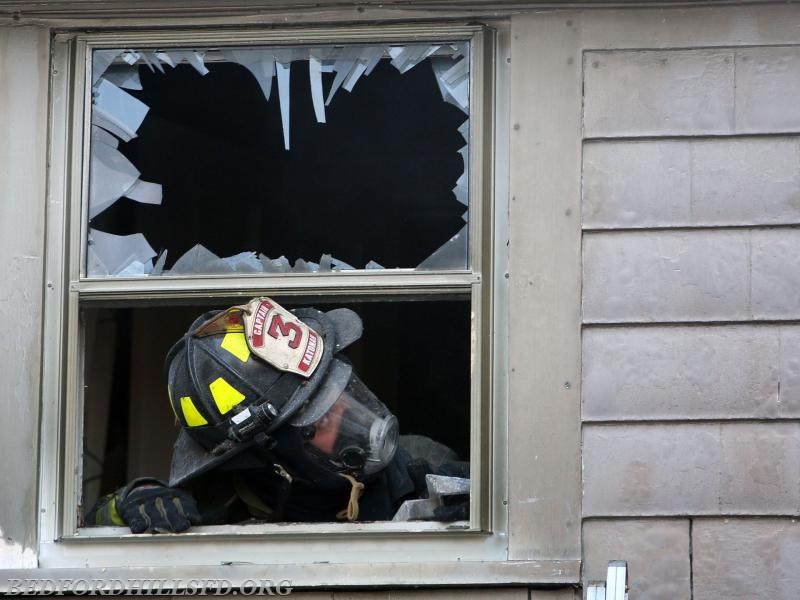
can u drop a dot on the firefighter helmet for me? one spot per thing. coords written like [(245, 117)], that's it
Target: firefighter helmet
[(257, 375)]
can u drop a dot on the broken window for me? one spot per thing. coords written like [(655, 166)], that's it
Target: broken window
[(329, 174), (252, 160)]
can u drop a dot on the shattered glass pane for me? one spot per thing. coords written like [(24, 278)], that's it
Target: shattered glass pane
[(358, 161)]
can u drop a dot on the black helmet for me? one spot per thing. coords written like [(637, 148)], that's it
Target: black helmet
[(260, 375)]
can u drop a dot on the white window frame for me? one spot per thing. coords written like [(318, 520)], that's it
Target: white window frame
[(306, 553)]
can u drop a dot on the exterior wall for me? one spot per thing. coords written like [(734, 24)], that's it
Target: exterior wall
[(24, 57), (690, 296), (672, 134)]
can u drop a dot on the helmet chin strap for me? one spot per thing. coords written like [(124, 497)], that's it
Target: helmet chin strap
[(350, 513)]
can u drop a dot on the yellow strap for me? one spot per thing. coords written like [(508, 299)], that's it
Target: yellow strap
[(357, 488)]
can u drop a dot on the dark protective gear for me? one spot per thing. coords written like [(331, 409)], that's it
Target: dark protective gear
[(265, 493), (231, 398), (149, 506)]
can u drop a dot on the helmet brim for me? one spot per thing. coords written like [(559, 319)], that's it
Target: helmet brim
[(190, 459)]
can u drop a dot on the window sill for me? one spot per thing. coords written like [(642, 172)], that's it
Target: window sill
[(331, 575)]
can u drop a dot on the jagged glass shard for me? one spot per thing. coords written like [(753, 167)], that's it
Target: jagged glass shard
[(116, 252), (94, 266), (463, 180), (464, 130), (124, 76), (165, 58), (458, 94), (301, 266), (410, 56), (459, 50), (465, 216), (111, 176), (461, 190), (373, 265), (158, 268), (461, 194), (342, 67), (196, 58), (340, 265), (395, 51), (115, 106), (276, 265), (199, 260), (352, 77), (145, 192), (130, 56), (457, 73), (317, 95), (287, 55), (371, 56), (325, 263), (451, 255), (261, 63), (464, 152), (284, 71), (111, 127), (151, 60), (244, 262), (136, 269), (101, 136), (101, 60)]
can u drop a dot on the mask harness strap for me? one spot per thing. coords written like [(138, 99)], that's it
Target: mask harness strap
[(357, 488)]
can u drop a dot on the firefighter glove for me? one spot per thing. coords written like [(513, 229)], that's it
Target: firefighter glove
[(149, 506)]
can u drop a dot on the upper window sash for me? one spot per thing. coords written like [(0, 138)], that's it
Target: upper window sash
[(437, 280)]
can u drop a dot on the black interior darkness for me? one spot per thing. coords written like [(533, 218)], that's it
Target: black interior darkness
[(373, 183)]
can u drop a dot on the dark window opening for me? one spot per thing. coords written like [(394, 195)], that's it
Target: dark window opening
[(414, 355)]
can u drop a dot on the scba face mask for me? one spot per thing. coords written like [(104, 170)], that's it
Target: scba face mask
[(347, 429)]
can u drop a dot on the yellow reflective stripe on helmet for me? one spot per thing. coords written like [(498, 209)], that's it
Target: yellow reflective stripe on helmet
[(236, 344), (225, 395), (191, 414)]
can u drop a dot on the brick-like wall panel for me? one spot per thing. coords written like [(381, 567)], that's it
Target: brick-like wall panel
[(692, 92), (776, 273), (767, 85), (681, 183), (684, 275), (655, 92), (691, 469), (719, 372), (745, 559), (657, 552), (666, 276)]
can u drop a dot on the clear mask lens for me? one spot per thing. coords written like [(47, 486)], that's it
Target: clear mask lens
[(357, 434)]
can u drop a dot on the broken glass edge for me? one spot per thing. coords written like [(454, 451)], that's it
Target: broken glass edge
[(405, 55)]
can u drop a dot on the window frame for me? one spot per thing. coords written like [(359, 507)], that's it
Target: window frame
[(62, 543)]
